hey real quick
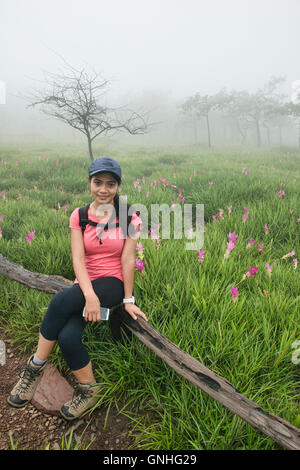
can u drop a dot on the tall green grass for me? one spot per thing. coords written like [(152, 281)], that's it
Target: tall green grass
[(248, 342)]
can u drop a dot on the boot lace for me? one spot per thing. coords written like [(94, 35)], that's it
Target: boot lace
[(28, 375), (80, 396)]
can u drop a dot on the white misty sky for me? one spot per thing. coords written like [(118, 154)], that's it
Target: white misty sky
[(175, 46)]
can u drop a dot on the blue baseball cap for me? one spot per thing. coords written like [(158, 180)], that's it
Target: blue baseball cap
[(108, 165)]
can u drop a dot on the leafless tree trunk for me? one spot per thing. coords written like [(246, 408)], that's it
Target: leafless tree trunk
[(76, 99)]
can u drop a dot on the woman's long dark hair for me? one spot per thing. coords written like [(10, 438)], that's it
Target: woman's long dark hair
[(119, 204)]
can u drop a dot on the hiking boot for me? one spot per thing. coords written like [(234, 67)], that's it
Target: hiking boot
[(25, 388), (85, 397)]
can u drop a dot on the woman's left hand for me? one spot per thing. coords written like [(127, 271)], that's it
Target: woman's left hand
[(134, 310)]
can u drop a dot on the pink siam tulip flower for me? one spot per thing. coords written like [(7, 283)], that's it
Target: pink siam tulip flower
[(139, 188), (230, 246), (291, 211), (195, 172), (214, 217), (147, 194), (172, 203), (139, 247), (210, 184), (234, 293), (1, 218), (269, 268), (288, 255), (220, 214), (154, 235), (19, 196), (174, 175), (190, 178), (66, 207), (232, 236), (295, 260), (179, 190), (201, 255), (281, 194), (250, 243), (267, 228), (246, 214), (30, 236), (251, 272), (229, 208), (260, 248), (143, 179), (140, 265)]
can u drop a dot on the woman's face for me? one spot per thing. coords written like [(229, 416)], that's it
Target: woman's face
[(103, 188)]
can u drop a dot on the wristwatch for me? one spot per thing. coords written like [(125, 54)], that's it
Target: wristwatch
[(129, 301)]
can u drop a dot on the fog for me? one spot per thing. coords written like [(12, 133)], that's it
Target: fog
[(155, 54)]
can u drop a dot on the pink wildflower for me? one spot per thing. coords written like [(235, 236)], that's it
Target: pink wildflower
[(140, 265), (295, 260), (269, 268), (281, 194), (30, 236), (251, 272), (229, 208), (267, 228), (288, 255), (201, 256), (234, 293), (232, 236), (260, 248), (250, 243), (210, 184)]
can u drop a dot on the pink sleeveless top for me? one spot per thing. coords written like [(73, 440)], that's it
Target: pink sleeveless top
[(105, 259)]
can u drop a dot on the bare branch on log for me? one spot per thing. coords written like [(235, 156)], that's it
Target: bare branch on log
[(216, 386)]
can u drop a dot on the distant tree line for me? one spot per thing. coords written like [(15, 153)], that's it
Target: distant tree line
[(266, 109)]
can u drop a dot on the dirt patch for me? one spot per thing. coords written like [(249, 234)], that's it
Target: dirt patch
[(31, 429)]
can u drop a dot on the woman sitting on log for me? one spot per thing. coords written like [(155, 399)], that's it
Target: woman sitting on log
[(103, 255)]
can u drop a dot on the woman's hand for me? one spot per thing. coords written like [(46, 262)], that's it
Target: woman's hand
[(134, 310), (92, 308)]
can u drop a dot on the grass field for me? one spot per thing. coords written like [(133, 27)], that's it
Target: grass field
[(245, 334)]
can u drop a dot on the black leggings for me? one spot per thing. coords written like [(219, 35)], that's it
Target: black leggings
[(63, 320)]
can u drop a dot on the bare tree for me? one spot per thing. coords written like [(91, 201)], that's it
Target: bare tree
[(77, 98)]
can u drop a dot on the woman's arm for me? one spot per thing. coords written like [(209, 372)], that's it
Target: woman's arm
[(92, 307), (128, 264)]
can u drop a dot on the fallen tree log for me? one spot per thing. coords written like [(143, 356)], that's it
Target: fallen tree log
[(216, 386)]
